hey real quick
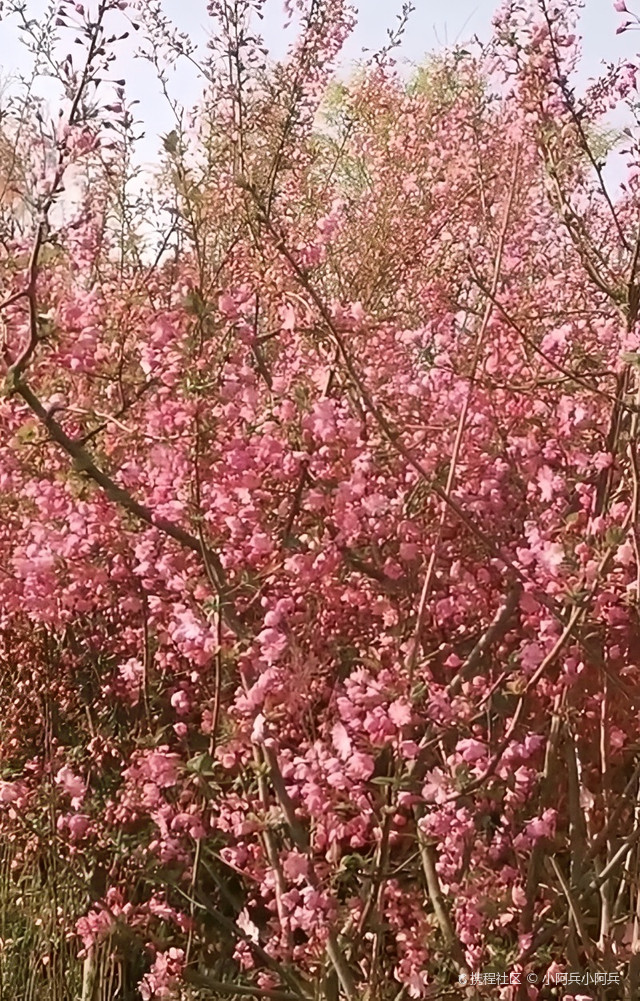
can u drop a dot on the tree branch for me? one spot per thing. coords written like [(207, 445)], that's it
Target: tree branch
[(85, 464)]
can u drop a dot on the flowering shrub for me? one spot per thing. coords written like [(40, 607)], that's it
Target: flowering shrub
[(319, 544)]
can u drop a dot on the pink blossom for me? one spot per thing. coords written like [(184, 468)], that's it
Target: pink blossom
[(162, 768), (180, 702), (435, 788), (544, 826), (295, 866), (363, 422), (162, 979), (400, 712), (273, 644), (518, 896), (341, 740), (258, 729), (72, 785), (360, 766), (531, 656), (471, 750), (11, 792), (246, 925)]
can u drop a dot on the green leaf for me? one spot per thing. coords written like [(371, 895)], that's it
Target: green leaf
[(292, 542), (614, 535), (353, 861), (170, 142), (202, 764), (418, 692)]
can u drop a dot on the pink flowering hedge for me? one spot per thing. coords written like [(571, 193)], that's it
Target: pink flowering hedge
[(319, 535)]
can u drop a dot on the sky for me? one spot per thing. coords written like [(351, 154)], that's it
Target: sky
[(434, 25)]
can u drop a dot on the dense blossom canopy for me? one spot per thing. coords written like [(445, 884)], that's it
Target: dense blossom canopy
[(319, 547)]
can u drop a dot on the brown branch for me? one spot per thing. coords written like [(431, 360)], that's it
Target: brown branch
[(389, 432), (118, 495), (619, 857), (607, 831), (236, 990), (298, 832), (515, 326), (495, 632), (464, 412), (451, 941), (577, 121), (301, 840), (574, 907), (545, 798)]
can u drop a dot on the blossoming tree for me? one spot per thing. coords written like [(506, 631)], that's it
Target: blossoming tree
[(319, 550)]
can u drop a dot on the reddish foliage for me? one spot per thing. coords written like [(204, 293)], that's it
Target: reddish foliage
[(319, 549)]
